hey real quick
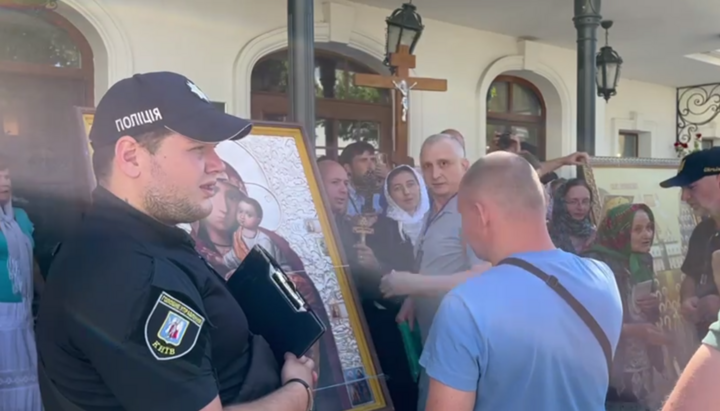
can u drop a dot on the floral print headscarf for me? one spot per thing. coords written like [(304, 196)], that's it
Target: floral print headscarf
[(613, 240)]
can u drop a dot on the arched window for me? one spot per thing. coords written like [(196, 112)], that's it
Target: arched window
[(33, 40), (345, 113), (36, 46), (514, 104), (43, 42)]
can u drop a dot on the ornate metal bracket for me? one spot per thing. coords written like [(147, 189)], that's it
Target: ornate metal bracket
[(696, 106)]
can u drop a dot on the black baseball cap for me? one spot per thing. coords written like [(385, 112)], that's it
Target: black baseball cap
[(695, 166), (151, 101)]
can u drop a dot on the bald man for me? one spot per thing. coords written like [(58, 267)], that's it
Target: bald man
[(506, 340), (455, 135), (336, 182)]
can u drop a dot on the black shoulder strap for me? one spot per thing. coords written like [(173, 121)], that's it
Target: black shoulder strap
[(576, 305), (52, 398)]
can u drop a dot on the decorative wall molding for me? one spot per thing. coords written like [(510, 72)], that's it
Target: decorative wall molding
[(276, 39), (634, 162), (636, 123), (117, 44), (341, 20), (517, 63)]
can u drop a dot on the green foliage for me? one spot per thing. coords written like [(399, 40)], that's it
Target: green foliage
[(347, 90), (351, 131), (271, 75), (37, 44)]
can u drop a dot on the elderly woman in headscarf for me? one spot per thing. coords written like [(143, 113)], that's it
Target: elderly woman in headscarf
[(570, 226), (623, 242), (392, 242), (19, 388)]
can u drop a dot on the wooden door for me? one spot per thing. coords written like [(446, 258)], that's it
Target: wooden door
[(41, 141), (46, 69)]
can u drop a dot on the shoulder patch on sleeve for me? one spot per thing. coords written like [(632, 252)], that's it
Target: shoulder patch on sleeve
[(172, 328)]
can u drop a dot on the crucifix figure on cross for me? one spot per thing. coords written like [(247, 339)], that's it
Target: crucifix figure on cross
[(405, 91), (401, 84)]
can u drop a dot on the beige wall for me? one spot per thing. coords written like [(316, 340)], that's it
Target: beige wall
[(217, 43)]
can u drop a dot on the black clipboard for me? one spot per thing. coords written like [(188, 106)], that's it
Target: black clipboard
[(273, 306)]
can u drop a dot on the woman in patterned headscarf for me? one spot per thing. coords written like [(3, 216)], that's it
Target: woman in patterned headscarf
[(623, 242), (570, 226)]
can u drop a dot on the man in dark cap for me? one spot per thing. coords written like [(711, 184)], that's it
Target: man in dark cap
[(132, 317), (699, 178)]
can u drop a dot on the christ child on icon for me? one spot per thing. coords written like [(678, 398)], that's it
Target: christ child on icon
[(249, 216)]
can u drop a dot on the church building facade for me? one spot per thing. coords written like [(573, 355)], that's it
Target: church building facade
[(236, 51)]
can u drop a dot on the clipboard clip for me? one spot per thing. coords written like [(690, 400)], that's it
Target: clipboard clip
[(287, 287)]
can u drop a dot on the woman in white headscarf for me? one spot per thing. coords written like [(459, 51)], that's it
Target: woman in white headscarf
[(19, 388), (394, 235), (408, 200)]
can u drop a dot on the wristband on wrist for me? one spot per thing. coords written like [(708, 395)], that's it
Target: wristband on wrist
[(311, 401)]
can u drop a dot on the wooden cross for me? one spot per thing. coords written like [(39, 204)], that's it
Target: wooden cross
[(363, 224), (401, 83)]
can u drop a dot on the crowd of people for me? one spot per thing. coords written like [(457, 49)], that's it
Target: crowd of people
[(607, 268), (520, 300)]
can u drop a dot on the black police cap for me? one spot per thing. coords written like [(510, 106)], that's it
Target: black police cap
[(162, 100)]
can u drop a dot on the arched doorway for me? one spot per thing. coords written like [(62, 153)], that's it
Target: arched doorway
[(515, 104), (345, 113), (46, 69)]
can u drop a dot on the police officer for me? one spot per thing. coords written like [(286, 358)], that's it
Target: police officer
[(699, 178), (132, 317)]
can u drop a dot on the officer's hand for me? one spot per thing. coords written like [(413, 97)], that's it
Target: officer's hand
[(302, 368)]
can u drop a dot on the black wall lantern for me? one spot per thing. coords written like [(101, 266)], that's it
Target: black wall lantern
[(608, 63), (404, 27)]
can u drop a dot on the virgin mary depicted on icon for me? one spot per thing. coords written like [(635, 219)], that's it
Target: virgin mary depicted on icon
[(226, 236)]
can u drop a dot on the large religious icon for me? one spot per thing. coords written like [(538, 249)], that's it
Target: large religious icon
[(270, 195), (624, 180)]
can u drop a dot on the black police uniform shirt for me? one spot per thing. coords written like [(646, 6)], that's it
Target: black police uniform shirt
[(704, 239), (132, 318)]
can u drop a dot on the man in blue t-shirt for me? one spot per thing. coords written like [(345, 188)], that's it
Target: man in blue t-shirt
[(505, 340)]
